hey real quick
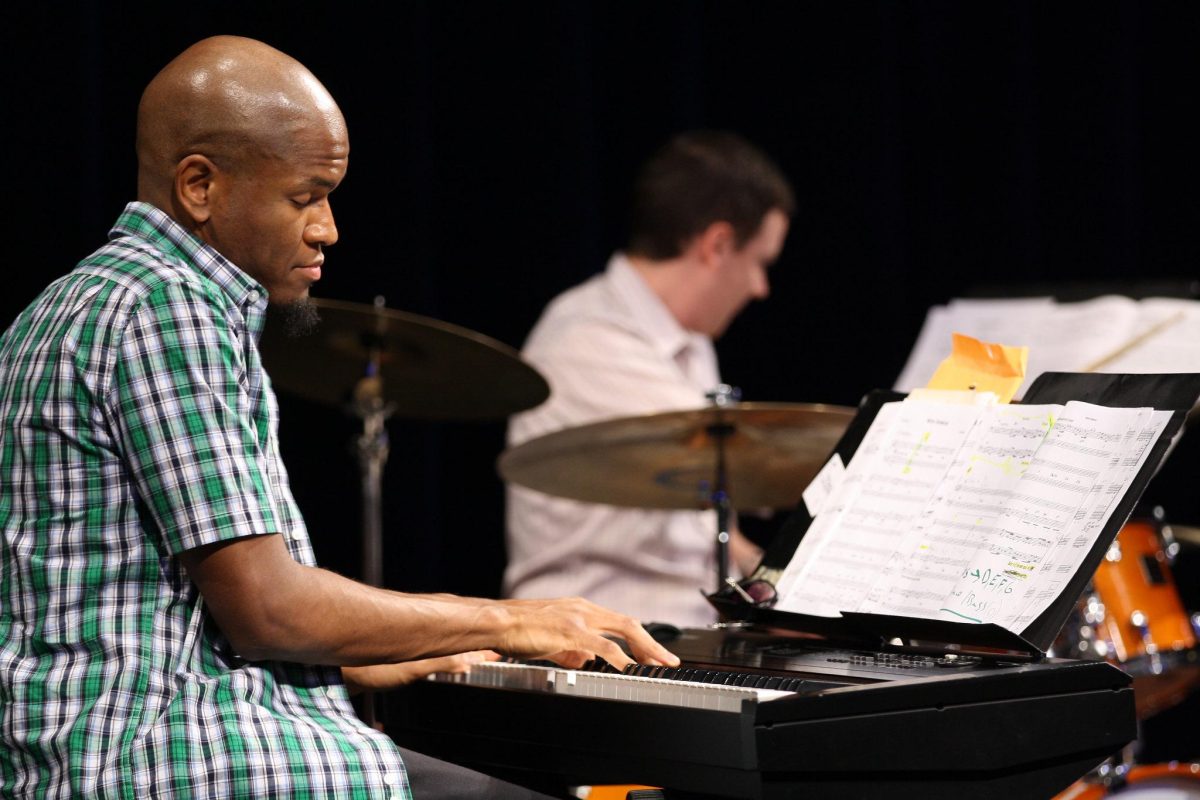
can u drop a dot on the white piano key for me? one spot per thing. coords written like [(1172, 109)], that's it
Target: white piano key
[(609, 686)]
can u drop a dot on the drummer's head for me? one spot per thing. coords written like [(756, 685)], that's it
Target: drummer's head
[(241, 144), (716, 201)]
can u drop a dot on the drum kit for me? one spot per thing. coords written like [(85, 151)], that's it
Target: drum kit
[(1132, 615), (692, 459), (377, 363)]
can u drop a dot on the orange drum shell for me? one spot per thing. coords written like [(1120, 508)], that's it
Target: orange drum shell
[(1145, 776), (1124, 588)]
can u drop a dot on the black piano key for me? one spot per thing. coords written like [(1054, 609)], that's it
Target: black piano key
[(749, 680)]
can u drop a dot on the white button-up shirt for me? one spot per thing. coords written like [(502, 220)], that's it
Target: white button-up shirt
[(610, 348)]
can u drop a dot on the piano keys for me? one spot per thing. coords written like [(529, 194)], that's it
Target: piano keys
[(851, 722), (645, 685)]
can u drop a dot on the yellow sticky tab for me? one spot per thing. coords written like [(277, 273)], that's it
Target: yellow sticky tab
[(982, 367)]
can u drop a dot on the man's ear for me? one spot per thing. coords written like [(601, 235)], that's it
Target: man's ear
[(716, 242), (194, 178)]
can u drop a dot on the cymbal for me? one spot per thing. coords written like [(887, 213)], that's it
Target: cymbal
[(428, 369), (668, 460)]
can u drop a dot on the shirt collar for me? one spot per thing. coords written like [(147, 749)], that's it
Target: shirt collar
[(150, 223), (652, 314)]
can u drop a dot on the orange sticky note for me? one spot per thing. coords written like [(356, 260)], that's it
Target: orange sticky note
[(982, 367)]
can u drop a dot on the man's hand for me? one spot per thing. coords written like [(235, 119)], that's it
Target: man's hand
[(745, 553), (570, 631), (380, 677)]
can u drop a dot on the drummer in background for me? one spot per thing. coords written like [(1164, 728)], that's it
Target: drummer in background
[(709, 215)]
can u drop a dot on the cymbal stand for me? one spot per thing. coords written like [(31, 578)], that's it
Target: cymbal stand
[(372, 448), (721, 397)]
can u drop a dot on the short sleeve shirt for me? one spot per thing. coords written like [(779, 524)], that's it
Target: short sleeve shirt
[(611, 348), (136, 422)]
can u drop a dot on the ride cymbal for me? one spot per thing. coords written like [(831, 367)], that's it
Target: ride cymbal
[(427, 369), (669, 460)]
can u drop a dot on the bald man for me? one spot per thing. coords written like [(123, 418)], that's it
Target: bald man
[(163, 628)]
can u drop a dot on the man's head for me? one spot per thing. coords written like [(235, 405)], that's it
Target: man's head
[(712, 201), (240, 144)]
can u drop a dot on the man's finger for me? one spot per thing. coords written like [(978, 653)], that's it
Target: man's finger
[(611, 652)]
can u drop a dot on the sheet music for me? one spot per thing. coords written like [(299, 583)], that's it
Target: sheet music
[(1175, 349), (968, 513), (1072, 545), (891, 478), (1069, 337)]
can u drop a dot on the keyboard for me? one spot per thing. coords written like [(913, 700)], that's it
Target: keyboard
[(756, 715)]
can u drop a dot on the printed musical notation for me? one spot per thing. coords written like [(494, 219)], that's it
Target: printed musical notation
[(968, 512)]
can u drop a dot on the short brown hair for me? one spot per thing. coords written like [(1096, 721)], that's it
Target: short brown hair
[(696, 179)]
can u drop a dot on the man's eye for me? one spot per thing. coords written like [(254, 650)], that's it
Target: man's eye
[(302, 200)]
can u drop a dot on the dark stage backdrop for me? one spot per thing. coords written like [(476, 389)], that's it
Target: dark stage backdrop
[(935, 147)]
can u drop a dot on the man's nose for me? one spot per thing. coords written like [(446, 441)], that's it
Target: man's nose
[(762, 285), (321, 229)]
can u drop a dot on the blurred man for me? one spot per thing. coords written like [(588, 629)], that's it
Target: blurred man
[(709, 215), (163, 630)]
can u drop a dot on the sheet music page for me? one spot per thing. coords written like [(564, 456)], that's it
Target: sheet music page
[(904, 457), (1174, 346), (1061, 498), (1071, 545), (967, 513), (1073, 336), (944, 542), (1116, 333)]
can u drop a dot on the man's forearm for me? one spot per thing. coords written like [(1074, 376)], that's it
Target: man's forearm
[(271, 607)]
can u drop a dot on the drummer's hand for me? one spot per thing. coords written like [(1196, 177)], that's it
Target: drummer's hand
[(571, 631), (745, 553), (377, 677)]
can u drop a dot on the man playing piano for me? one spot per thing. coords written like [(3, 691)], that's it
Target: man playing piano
[(163, 629)]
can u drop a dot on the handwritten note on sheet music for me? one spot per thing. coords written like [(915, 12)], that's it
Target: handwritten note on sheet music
[(968, 513)]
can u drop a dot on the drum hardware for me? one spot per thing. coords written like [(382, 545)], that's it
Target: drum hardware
[(724, 396), (1188, 535)]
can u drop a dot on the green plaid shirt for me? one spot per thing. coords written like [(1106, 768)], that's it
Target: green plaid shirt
[(136, 422)]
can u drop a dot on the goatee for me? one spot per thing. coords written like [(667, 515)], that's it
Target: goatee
[(297, 318)]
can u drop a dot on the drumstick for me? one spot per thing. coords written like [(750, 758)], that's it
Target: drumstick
[(1151, 332)]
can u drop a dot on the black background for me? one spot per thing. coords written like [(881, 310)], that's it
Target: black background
[(935, 147)]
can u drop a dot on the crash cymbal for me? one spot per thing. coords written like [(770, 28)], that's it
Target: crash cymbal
[(668, 460), (427, 368)]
